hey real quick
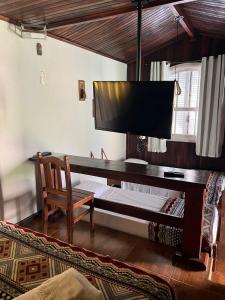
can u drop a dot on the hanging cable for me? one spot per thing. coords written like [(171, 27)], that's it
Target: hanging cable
[(177, 85)]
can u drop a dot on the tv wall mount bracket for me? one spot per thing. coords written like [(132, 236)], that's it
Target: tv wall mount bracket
[(144, 2)]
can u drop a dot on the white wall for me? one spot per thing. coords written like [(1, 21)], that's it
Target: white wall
[(56, 119), (35, 117)]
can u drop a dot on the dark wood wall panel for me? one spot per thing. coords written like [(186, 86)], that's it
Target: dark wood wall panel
[(184, 50), (179, 154)]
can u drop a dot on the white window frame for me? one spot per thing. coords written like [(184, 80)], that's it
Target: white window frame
[(195, 66)]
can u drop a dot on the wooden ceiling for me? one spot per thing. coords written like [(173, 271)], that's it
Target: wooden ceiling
[(109, 27)]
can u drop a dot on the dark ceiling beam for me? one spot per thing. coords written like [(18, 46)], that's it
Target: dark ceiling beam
[(111, 14), (3, 18), (184, 22), (9, 20)]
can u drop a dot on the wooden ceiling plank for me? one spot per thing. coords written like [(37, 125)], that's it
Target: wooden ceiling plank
[(85, 47), (122, 41), (112, 13), (94, 29), (158, 47), (184, 22), (124, 32)]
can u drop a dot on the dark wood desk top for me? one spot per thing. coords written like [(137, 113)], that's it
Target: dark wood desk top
[(119, 168), (145, 174)]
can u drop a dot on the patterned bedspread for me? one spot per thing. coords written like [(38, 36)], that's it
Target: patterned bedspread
[(29, 258)]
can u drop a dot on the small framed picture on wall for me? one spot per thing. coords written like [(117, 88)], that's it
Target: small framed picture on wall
[(82, 92)]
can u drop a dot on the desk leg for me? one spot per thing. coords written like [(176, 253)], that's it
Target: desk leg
[(192, 230), (193, 221)]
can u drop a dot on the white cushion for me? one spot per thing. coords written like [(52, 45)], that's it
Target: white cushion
[(92, 186), (136, 161)]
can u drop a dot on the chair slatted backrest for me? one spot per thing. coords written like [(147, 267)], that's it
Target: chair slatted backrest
[(50, 170)]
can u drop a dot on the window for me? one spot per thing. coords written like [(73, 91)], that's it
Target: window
[(185, 114)]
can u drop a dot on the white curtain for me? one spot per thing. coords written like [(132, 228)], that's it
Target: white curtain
[(211, 117), (158, 71)]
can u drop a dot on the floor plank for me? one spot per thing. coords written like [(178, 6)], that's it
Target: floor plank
[(187, 292), (152, 257)]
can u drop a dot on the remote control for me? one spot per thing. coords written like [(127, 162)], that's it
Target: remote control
[(173, 174)]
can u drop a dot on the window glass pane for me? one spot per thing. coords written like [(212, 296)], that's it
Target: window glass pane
[(181, 99), (194, 92), (191, 124), (181, 122), (174, 123), (185, 122)]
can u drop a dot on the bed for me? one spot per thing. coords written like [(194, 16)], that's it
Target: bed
[(120, 199), (29, 258)]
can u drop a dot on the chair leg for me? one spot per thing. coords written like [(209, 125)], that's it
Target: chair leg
[(69, 215), (45, 217), (92, 215)]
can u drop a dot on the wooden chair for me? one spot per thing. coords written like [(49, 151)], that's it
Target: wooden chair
[(54, 196)]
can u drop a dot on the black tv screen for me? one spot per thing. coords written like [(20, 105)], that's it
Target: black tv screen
[(136, 107)]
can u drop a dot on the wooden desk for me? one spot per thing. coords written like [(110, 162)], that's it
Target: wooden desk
[(192, 184)]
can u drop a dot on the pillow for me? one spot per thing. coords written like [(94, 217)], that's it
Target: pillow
[(92, 186), (68, 285), (136, 161)]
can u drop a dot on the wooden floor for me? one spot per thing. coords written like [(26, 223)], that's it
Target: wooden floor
[(150, 256)]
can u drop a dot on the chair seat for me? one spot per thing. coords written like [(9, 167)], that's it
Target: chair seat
[(79, 198)]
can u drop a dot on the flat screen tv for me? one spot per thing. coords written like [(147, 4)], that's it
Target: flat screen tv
[(136, 107)]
